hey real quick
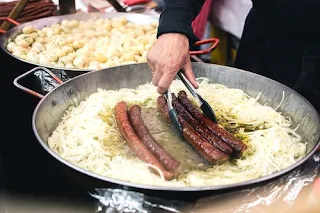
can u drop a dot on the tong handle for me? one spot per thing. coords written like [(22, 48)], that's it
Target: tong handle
[(173, 114), (189, 86)]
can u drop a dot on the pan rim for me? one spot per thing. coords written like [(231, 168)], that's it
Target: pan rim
[(212, 188)]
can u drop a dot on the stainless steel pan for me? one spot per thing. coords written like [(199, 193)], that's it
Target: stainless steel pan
[(51, 107), (41, 23)]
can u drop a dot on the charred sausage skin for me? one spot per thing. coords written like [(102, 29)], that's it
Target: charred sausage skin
[(209, 152), (237, 145), (199, 127)]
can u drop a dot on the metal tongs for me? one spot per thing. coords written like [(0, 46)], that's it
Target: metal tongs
[(205, 107)]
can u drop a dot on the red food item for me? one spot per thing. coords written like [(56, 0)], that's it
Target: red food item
[(150, 142), (134, 142), (204, 148)]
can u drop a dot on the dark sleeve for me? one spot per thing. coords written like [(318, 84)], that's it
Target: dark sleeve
[(177, 17), (286, 8), (268, 6)]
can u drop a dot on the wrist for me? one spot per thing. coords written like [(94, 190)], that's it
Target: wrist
[(177, 20)]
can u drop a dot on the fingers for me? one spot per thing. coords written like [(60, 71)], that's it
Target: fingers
[(157, 74), (165, 82), (167, 55), (189, 73)]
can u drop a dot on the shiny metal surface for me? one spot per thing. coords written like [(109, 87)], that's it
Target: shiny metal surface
[(41, 23), (51, 108)]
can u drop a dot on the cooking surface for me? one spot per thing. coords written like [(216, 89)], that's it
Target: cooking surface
[(164, 134)]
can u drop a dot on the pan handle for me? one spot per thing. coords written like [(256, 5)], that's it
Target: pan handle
[(215, 42), (8, 20), (27, 90)]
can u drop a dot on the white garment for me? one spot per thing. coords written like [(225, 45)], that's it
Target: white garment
[(230, 15)]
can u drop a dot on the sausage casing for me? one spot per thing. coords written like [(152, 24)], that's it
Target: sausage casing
[(134, 142), (237, 145), (209, 152), (199, 127), (150, 142)]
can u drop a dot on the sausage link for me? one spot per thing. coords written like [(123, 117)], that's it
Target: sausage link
[(134, 142), (205, 149), (199, 127), (237, 145), (150, 142)]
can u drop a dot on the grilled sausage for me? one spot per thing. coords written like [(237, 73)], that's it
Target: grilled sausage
[(199, 127), (150, 142), (209, 152), (237, 145), (134, 142)]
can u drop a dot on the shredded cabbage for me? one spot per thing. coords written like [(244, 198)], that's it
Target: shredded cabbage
[(88, 137)]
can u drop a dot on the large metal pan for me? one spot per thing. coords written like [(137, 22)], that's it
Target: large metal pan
[(52, 106), (72, 72)]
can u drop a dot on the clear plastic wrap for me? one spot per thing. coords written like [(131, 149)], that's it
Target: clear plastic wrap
[(279, 195), (46, 83)]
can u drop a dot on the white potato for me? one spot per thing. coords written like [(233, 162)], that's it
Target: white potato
[(65, 23), (81, 61), (28, 29), (89, 33), (52, 56), (94, 65), (70, 66), (128, 56), (77, 44), (113, 52), (18, 51), (100, 57), (60, 53), (33, 35), (24, 57), (22, 43), (142, 60), (99, 22), (32, 57), (73, 55), (65, 59), (73, 23), (37, 47), (140, 48), (85, 51), (44, 60), (10, 47), (107, 26), (67, 49), (116, 24), (41, 40)]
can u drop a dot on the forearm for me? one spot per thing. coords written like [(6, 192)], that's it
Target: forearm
[(177, 17)]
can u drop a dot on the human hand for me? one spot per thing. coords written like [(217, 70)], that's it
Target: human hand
[(168, 55)]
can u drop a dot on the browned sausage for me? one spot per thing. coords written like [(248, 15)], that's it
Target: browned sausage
[(134, 142), (199, 127), (209, 152), (237, 145), (150, 142)]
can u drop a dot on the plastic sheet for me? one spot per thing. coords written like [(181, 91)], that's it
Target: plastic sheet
[(281, 192), (46, 82)]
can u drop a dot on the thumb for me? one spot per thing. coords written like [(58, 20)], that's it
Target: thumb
[(189, 73)]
